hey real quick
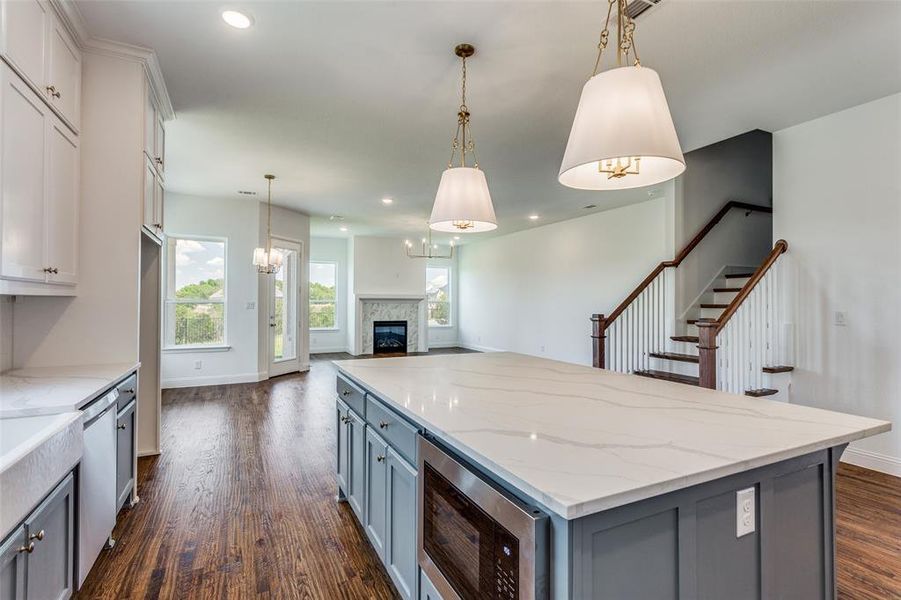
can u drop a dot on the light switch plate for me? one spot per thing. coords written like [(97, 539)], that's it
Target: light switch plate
[(745, 512), (841, 318)]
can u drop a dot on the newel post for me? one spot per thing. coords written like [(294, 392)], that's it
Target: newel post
[(598, 340), (707, 353)]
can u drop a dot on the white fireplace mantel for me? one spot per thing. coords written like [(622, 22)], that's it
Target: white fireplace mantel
[(421, 338)]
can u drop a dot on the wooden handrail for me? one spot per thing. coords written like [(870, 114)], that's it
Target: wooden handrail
[(683, 253), (778, 248)]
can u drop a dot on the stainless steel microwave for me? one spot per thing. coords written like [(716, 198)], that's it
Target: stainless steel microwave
[(477, 541)]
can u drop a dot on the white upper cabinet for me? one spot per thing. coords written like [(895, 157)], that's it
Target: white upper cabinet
[(35, 42), (23, 38), (62, 204), (154, 133), (64, 82), (39, 191), (22, 183)]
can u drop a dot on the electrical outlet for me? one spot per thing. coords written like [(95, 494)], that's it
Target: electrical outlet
[(251, 305), (542, 348), (745, 512), (841, 318), (198, 364)]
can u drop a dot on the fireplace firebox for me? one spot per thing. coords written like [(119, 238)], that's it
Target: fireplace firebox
[(389, 337)]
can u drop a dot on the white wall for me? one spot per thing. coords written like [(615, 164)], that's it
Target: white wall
[(100, 324), (332, 250), (235, 220), (837, 201), (381, 266), (534, 291), (6, 333)]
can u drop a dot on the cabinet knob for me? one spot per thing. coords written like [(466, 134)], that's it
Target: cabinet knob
[(122, 426), (346, 420), (158, 161), (47, 269), (383, 424), (54, 270), (29, 548), (345, 392), (37, 536), (53, 92), (380, 458), (129, 391)]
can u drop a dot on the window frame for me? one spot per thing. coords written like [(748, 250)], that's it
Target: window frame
[(450, 296), (166, 301), (335, 326)]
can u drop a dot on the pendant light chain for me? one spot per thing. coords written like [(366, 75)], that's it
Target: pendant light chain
[(269, 221), (625, 28), (463, 139)]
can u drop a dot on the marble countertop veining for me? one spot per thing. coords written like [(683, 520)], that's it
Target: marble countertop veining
[(581, 440), (48, 390)]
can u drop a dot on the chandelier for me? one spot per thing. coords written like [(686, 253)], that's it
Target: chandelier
[(463, 202), (268, 260), (623, 134), (427, 249)]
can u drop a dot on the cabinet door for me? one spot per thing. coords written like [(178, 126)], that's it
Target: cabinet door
[(375, 494), (12, 565), (49, 569), (23, 155), (159, 141), (356, 477), (149, 195), (62, 203), (427, 589), (64, 79), (159, 198), (342, 431), (400, 540), (150, 120), (125, 454), (23, 37)]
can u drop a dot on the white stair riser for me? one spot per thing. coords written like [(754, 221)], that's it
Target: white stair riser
[(711, 313), (685, 347), (674, 366), (724, 297), (734, 282)]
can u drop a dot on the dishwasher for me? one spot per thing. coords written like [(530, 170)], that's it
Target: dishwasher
[(97, 481)]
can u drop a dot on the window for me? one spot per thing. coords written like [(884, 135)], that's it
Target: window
[(323, 299), (437, 289), (195, 292)]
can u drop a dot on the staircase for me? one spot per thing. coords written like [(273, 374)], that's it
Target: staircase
[(731, 340)]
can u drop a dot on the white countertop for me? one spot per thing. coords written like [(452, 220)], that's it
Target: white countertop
[(581, 440), (49, 390)]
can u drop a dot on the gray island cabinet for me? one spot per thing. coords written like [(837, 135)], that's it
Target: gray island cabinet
[(653, 490)]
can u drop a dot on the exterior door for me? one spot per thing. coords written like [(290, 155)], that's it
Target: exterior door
[(284, 310)]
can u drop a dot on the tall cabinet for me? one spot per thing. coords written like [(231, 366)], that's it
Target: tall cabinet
[(154, 164), (40, 116)]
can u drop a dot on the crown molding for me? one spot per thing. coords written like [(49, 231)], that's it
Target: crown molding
[(74, 22)]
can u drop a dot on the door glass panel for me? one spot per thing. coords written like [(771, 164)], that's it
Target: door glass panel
[(284, 308)]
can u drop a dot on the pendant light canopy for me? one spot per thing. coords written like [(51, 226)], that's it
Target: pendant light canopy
[(268, 260), (623, 134), (463, 202)]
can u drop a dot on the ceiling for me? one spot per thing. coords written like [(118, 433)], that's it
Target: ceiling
[(350, 102)]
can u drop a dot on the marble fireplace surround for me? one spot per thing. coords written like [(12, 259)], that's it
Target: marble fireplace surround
[(391, 307)]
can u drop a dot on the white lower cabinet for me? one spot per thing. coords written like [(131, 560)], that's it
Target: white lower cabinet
[(39, 193)]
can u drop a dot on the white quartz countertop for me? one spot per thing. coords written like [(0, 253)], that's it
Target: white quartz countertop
[(49, 390), (581, 440)]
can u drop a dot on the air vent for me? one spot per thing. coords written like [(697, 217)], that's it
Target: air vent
[(590, 206), (637, 7), (337, 218), (247, 193)]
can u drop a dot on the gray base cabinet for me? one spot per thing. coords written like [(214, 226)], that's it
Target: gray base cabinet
[(37, 559), (400, 540), (376, 488), (125, 454), (341, 454), (356, 475), (427, 589)]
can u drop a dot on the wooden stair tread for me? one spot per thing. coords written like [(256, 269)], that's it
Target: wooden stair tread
[(714, 306), (685, 338), (695, 321), (676, 377), (778, 369), (738, 275), (690, 358), (761, 392), (727, 289)]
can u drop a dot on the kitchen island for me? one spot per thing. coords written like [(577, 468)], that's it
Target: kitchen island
[(652, 489)]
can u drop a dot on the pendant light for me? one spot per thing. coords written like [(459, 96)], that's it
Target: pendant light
[(268, 260), (427, 249), (623, 134), (463, 203)]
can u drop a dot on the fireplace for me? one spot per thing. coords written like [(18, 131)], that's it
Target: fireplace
[(389, 337)]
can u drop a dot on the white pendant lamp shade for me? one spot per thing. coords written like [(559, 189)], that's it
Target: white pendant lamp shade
[(623, 115), (463, 202)]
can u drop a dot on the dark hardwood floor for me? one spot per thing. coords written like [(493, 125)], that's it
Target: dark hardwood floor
[(241, 504)]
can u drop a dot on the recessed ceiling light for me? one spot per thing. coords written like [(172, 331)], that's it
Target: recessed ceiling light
[(456, 237), (387, 201), (236, 19), (533, 217), (343, 228)]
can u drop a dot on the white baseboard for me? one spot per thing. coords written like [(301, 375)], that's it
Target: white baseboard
[(873, 460), (478, 348), (181, 382), (444, 345), (329, 349)]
